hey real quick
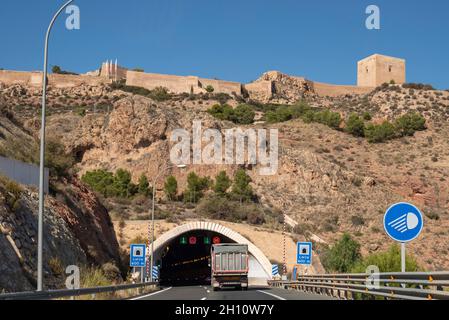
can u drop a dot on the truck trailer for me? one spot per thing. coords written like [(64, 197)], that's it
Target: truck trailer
[(229, 266)]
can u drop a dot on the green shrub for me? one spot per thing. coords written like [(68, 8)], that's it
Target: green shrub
[(111, 185), (285, 113), (380, 133), (355, 125), (367, 116), (409, 123), (389, 261), (220, 208), (209, 89), (222, 112), (342, 256), (242, 114), (99, 180), (159, 94), (328, 118), (418, 86)]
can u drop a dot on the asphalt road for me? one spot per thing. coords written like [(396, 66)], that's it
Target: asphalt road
[(206, 293)]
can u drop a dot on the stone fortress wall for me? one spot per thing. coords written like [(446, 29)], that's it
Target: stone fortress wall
[(181, 84), (57, 80), (371, 72)]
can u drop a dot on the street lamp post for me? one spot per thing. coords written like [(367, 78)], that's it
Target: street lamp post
[(151, 230), (42, 155)]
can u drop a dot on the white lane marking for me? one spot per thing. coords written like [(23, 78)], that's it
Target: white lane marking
[(273, 295), (151, 294), (203, 298)]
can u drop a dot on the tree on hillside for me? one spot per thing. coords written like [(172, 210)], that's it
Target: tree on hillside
[(99, 180), (56, 69), (122, 185), (171, 187), (342, 256), (195, 187), (222, 183), (241, 188), (143, 186)]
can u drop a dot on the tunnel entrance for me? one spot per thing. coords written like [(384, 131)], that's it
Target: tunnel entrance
[(186, 259)]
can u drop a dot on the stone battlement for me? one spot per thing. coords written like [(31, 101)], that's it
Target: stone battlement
[(371, 72)]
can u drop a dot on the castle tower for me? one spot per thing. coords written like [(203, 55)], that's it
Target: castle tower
[(377, 69)]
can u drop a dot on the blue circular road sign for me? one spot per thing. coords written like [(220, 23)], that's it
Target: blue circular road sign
[(403, 222)]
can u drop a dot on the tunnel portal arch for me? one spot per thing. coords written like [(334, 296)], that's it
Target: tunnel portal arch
[(258, 260)]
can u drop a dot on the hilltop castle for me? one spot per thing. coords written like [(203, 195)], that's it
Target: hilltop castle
[(371, 72)]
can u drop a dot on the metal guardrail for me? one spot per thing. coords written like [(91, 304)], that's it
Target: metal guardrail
[(402, 286), (64, 293)]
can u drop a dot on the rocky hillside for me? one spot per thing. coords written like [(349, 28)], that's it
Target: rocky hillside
[(78, 230), (328, 180)]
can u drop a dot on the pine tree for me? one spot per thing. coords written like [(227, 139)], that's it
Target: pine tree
[(143, 186), (241, 188), (222, 183), (171, 187)]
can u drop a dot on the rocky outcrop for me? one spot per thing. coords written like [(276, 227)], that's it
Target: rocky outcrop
[(88, 220), (284, 88), (18, 243)]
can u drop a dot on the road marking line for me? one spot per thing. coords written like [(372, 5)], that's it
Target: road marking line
[(151, 294), (203, 298), (273, 295)]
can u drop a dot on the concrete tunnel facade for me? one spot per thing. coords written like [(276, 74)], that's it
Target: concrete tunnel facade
[(259, 265)]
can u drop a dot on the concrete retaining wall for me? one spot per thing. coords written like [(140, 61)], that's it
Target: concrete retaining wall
[(23, 173)]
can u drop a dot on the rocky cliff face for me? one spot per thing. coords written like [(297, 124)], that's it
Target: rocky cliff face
[(77, 228)]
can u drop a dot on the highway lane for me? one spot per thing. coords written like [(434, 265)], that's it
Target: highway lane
[(206, 293)]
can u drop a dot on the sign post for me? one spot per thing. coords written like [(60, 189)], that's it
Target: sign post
[(304, 253), (137, 257), (403, 222)]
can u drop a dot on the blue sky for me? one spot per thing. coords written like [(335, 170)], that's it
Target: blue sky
[(231, 39)]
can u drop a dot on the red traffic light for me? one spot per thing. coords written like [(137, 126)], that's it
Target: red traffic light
[(216, 240), (192, 240)]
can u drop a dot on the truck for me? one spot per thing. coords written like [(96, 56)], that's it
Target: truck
[(230, 265)]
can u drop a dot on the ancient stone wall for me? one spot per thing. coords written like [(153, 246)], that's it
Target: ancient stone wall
[(220, 86), (56, 80), (20, 77), (175, 84), (332, 90), (260, 90)]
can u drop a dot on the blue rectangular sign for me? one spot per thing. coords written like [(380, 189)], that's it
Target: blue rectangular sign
[(137, 255), (304, 253)]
